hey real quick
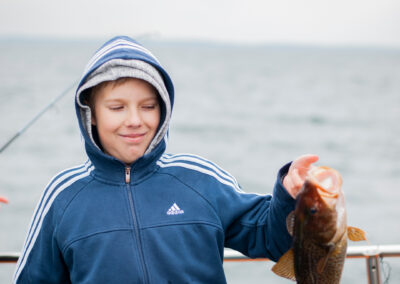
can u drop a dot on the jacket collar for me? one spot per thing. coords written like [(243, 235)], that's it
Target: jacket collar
[(110, 170)]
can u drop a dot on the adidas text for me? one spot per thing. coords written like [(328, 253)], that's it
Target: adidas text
[(175, 210)]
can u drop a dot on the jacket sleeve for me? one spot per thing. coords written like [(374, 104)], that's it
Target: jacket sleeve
[(41, 260), (254, 224)]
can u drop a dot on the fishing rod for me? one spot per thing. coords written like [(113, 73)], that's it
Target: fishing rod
[(33, 120)]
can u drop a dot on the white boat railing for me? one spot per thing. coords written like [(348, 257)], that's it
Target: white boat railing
[(372, 254)]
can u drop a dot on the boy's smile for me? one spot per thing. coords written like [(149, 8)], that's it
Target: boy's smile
[(127, 116)]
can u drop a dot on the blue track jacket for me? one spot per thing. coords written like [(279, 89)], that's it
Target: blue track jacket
[(164, 219)]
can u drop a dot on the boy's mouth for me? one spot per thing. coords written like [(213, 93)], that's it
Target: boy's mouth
[(133, 137)]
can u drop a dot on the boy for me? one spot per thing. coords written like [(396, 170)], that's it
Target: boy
[(133, 214)]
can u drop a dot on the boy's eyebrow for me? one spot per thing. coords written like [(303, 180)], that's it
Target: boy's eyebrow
[(152, 100), (155, 98), (113, 100)]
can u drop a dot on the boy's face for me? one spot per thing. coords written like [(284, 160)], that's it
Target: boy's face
[(127, 117)]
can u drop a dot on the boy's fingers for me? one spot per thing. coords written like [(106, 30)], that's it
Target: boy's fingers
[(303, 163), (306, 160), (309, 158), (294, 183), (297, 181), (297, 173)]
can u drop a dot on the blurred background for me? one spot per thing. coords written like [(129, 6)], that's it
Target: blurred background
[(258, 83)]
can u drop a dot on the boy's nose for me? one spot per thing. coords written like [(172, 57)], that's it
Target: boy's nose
[(133, 119)]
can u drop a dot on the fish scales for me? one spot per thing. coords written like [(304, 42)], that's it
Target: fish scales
[(309, 256)]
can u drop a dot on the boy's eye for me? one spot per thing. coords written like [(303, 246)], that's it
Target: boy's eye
[(150, 106), (116, 107)]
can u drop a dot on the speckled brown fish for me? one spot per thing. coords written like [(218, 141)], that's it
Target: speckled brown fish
[(319, 229)]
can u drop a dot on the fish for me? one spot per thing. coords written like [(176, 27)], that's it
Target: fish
[(319, 229)]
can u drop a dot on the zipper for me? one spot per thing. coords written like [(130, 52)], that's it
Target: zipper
[(135, 222), (127, 175)]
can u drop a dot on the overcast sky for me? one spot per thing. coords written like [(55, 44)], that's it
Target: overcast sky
[(343, 22)]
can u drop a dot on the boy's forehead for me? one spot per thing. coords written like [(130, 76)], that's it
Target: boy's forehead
[(129, 84), (110, 85)]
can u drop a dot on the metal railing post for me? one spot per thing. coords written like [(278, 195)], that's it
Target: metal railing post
[(373, 269)]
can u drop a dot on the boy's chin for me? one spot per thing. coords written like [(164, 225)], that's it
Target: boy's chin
[(130, 159), (126, 159)]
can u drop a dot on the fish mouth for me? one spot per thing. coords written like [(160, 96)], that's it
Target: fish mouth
[(327, 182)]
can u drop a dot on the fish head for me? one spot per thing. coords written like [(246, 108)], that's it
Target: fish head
[(320, 213)]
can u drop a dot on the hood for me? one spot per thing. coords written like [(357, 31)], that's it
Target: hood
[(123, 57)]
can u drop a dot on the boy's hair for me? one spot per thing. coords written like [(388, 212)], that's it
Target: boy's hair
[(89, 98)]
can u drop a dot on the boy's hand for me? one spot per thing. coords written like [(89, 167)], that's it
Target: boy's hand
[(297, 173)]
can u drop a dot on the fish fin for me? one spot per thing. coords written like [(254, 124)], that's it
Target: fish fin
[(321, 264), (323, 261), (285, 266), (290, 223), (355, 234)]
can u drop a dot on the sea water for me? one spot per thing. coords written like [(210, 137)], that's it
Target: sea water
[(249, 108)]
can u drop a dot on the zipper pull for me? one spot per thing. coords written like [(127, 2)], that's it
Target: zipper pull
[(127, 174)]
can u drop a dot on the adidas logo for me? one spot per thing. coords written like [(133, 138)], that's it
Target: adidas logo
[(175, 210)]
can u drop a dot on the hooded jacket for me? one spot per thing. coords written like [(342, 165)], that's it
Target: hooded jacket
[(163, 219)]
